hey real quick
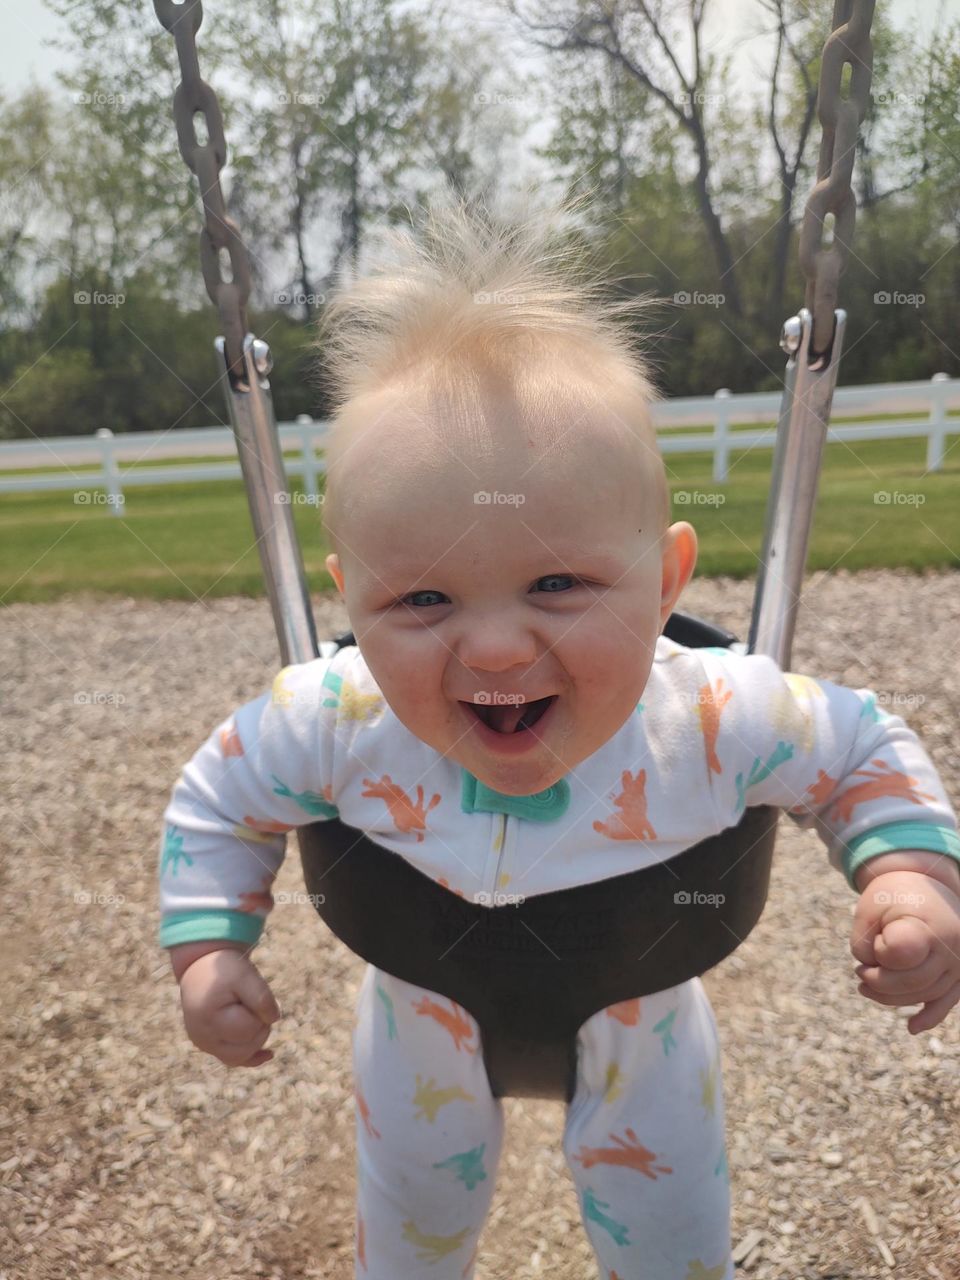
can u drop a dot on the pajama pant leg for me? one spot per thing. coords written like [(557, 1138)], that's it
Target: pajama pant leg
[(429, 1133), (644, 1139)]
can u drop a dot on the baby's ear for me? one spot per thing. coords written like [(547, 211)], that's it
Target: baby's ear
[(332, 563), (679, 560)]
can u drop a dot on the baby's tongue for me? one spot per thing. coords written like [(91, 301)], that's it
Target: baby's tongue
[(504, 718)]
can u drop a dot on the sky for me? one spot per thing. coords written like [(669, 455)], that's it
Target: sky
[(732, 24)]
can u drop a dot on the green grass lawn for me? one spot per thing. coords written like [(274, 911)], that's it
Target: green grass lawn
[(183, 541)]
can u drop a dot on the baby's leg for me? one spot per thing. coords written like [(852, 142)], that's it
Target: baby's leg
[(429, 1133), (644, 1139)]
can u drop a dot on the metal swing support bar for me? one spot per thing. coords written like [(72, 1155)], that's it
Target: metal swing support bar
[(813, 339), (261, 462)]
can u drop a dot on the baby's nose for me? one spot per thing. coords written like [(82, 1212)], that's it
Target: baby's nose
[(495, 646)]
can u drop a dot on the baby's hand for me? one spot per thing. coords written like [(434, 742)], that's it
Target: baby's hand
[(906, 933), (228, 1008)]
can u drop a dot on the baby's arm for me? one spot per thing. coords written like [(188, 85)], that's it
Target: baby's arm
[(828, 755), (264, 771), (840, 763)]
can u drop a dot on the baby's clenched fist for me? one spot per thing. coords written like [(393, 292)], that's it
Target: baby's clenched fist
[(906, 935), (228, 1008)]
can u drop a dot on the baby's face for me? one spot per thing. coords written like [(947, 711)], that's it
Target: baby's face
[(524, 565)]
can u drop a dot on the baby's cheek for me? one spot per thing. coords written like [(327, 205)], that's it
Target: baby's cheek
[(434, 720), (615, 677)]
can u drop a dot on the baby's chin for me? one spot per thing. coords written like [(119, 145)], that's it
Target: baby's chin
[(523, 775), (515, 779), (527, 774)]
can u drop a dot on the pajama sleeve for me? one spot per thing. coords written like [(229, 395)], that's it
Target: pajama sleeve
[(264, 770), (828, 754)]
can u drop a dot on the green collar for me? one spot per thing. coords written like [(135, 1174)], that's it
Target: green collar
[(545, 806)]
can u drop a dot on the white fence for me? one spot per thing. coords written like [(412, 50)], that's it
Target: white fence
[(720, 414)]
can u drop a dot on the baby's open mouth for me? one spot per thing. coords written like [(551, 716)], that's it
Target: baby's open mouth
[(510, 717)]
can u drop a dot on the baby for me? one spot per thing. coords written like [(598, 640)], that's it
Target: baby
[(512, 721)]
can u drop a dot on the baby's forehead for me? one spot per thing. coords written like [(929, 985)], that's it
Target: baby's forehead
[(412, 520), (521, 482), (456, 432), (495, 458)]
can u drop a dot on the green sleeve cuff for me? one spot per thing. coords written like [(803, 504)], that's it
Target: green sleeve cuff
[(894, 836), (210, 926)]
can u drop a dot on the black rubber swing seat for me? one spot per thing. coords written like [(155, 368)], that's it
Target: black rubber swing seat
[(532, 974)]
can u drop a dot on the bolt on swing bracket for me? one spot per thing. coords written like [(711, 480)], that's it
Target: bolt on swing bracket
[(250, 406), (801, 432)]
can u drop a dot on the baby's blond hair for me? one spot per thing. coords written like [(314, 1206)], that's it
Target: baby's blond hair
[(473, 290)]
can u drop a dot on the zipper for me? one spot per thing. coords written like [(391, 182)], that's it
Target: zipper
[(500, 844)]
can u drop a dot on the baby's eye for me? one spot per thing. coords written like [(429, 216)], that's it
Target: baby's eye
[(554, 578), (556, 584), (410, 599)]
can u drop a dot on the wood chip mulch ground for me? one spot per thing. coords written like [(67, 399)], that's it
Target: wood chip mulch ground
[(124, 1152)]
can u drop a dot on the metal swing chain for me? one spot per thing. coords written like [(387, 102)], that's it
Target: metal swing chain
[(194, 95), (849, 41)]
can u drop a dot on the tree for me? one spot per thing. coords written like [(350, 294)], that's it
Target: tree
[(790, 113), (646, 43), (604, 135), (27, 165), (334, 110)]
